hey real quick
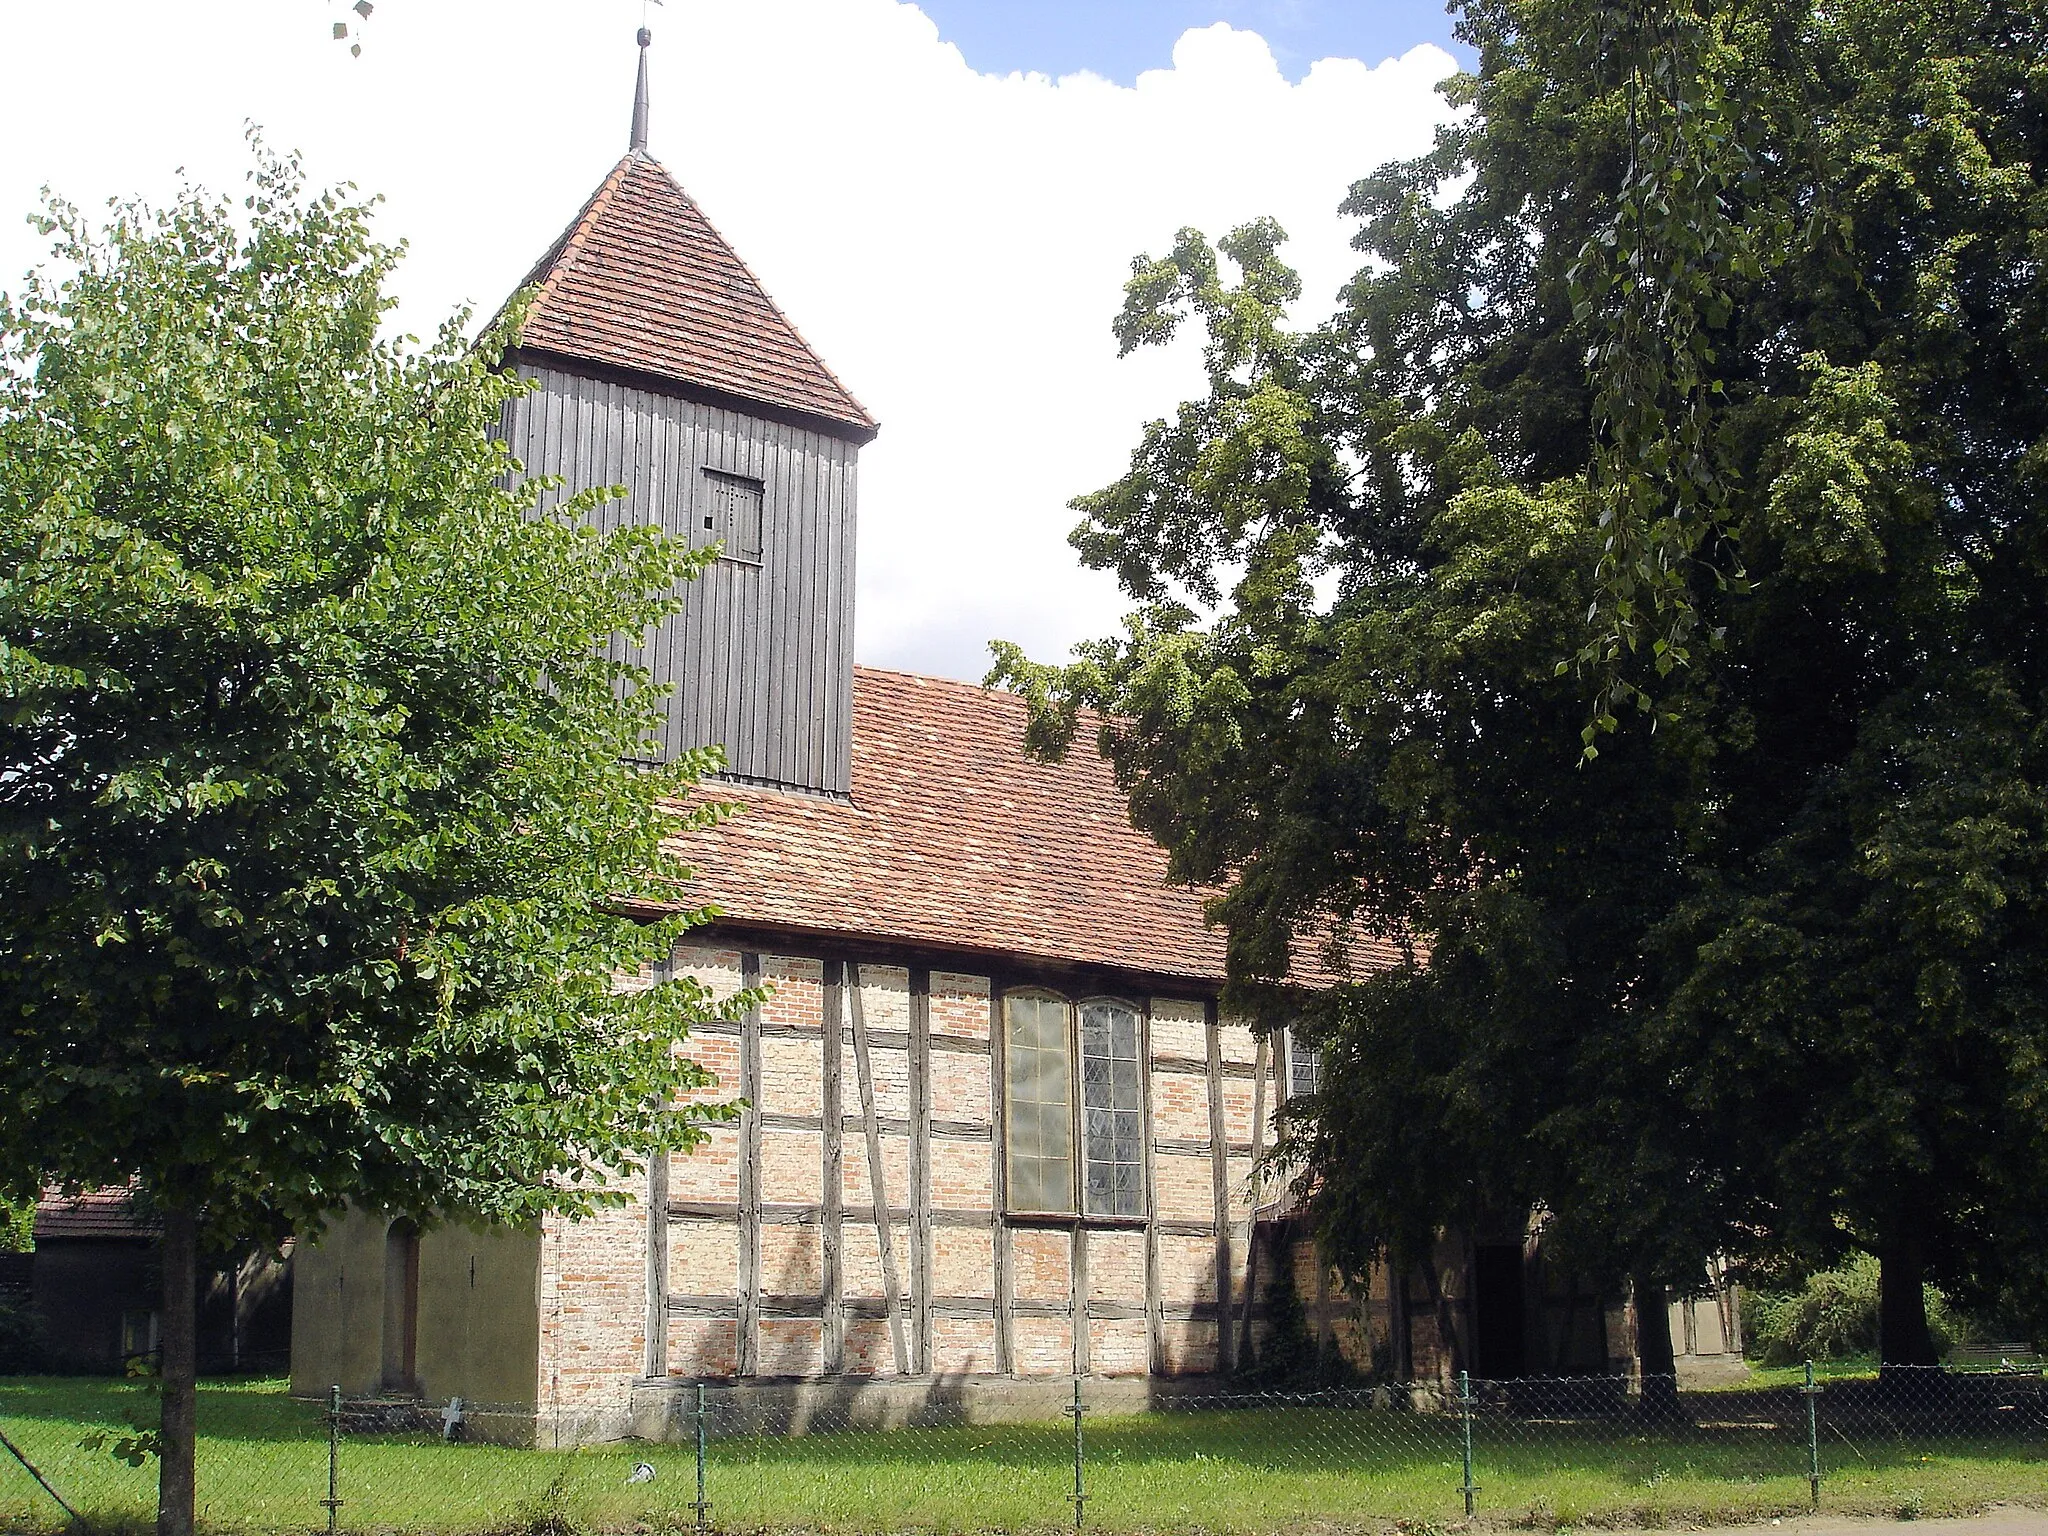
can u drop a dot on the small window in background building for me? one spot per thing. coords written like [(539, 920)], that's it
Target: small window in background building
[(1038, 1104), (1304, 1067), (731, 516), (138, 1337), (1112, 1107)]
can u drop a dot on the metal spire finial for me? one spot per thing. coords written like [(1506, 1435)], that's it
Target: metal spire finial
[(640, 96)]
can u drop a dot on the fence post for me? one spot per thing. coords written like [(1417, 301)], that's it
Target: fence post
[(1812, 1394), (43, 1482), (703, 1505), (333, 1499), (1079, 1497), (1465, 1410)]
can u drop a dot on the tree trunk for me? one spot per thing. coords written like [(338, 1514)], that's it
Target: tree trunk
[(1450, 1347), (1654, 1357), (1903, 1338), (1401, 1333), (177, 1335)]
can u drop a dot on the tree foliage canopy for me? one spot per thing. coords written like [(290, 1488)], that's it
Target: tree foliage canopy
[(318, 819), (1743, 420)]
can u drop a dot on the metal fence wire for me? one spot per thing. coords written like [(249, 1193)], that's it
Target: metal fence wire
[(1042, 1456)]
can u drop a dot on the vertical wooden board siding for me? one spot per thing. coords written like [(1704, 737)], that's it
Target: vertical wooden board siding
[(871, 1132), (809, 653), (545, 411), (1219, 1168), (692, 630), (1000, 1244), (611, 424), (776, 520), (920, 1170), (782, 538), (789, 616), (839, 677), (641, 506), (830, 565), (837, 635), (833, 1188), (671, 462), (811, 482), (759, 658), (1153, 1341), (749, 632), (791, 705), (750, 1174)]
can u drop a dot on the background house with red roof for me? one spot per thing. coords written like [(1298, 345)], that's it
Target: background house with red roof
[(997, 1127), (92, 1286)]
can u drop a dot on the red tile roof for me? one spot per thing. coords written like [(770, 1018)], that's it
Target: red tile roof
[(641, 281), (95, 1213), (954, 838)]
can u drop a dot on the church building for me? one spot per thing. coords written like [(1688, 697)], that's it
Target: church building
[(997, 1129)]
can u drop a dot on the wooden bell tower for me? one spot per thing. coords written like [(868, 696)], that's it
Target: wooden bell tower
[(665, 367)]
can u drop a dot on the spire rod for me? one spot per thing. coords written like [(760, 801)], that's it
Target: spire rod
[(640, 96)]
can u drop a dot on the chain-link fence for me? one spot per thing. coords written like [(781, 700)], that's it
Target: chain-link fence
[(1109, 1456)]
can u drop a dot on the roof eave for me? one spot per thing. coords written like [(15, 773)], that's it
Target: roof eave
[(860, 433), (824, 942)]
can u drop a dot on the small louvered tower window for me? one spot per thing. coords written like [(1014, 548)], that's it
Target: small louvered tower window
[(732, 516)]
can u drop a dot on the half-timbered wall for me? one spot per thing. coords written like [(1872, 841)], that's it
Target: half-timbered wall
[(761, 655), (768, 1262)]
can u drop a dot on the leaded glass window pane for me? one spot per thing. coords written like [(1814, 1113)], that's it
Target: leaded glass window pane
[(1305, 1067), (1112, 1108), (1038, 1103)]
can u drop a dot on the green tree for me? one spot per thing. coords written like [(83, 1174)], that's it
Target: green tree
[(1764, 974), (17, 1226), (321, 846)]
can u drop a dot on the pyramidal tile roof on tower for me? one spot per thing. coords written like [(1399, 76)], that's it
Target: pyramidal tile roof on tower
[(641, 281)]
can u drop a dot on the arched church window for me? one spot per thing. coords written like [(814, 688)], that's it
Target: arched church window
[(1068, 1151), (1038, 1102), (1112, 1111)]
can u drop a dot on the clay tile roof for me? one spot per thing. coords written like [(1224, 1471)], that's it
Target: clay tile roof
[(955, 838), (641, 281), (95, 1213)]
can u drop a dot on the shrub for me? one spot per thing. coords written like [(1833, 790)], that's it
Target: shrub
[(21, 1337), (1834, 1314)]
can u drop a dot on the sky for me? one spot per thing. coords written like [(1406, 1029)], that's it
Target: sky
[(946, 199), (1118, 38)]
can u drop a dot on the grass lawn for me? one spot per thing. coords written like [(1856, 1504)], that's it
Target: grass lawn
[(263, 1467), (1847, 1368)]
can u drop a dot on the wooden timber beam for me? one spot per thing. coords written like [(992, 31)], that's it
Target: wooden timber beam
[(833, 1191), (885, 1240), (921, 1169), (1263, 1059), (1219, 1170), (1155, 1333), (749, 1212), (1006, 1300)]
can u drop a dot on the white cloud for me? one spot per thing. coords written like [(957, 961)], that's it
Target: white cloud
[(953, 243)]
